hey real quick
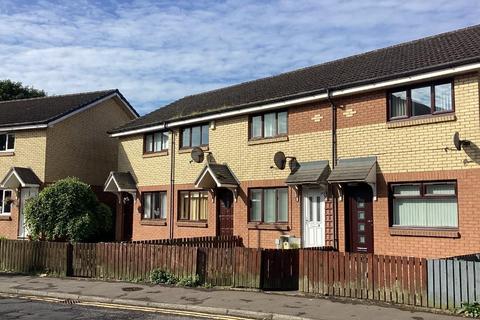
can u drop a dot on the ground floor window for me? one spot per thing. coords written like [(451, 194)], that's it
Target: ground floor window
[(268, 205), (193, 205), (6, 201), (424, 204), (154, 205)]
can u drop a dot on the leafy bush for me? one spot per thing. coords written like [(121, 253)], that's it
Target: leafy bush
[(470, 309), (67, 210), (158, 276)]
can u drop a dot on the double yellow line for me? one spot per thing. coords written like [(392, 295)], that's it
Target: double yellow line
[(130, 307)]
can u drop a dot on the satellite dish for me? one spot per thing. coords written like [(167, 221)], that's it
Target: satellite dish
[(197, 155), (280, 160), (459, 143)]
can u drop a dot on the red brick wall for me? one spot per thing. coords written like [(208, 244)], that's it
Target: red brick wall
[(9, 225), (425, 246)]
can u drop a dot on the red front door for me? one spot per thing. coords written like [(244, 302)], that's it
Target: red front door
[(224, 212), (359, 218)]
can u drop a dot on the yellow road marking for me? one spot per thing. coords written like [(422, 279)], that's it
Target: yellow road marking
[(131, 308)]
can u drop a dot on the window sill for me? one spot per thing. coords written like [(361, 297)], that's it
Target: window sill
[(153, 222), (192, 224), (267, 140), (7, 153), (419, 121), (433, 233), (155, 154), (5, 217), (268, 226), (188, 150)]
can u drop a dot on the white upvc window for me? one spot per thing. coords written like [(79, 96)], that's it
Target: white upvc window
[(6, 201), (7, 142)]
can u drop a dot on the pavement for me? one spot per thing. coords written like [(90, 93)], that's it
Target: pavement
[(247, 304)]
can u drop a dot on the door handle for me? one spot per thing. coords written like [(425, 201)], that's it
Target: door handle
[(369, 221)]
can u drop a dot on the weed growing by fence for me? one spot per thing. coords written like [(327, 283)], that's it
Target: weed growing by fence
[(470, 310), (158, 276)]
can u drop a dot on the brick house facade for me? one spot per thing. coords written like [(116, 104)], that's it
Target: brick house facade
[(61, 136), (430, 213)]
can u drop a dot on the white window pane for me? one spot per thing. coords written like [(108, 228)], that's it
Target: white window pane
[(196, 136), (205, 134), (11, 141), (194, 205), (269, 125), (406, 190), (443, 97), (149, 143), (256, 209), (421, 101), (164, 140), (269, 198), (158, 141), (186, 137), (7, 204), (256, 127), (425, 212), (203, 205), (156, 205), (3, 142), (163, 205), (398, 104), (283, 205), (147, 206), (440, 189), (282, 122)]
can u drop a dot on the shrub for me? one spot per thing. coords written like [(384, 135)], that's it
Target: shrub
[(158, 276), (68, 210), (470, 309), (190, 281)]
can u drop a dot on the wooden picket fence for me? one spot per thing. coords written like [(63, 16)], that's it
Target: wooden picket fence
[(364, 276), (204, 242), (26, 257)]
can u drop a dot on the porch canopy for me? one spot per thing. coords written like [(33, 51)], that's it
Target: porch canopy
[(18, 177), (120, 182), (217, 176), (356, 170), (312, 173)]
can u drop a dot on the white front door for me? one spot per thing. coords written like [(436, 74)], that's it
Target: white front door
[(313, 218), (25, 194)]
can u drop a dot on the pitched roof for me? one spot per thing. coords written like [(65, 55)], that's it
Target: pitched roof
[(354, 170), (122, 181), (428, 54), (314, 172), (221, 174), (23, 177), (42, 110)]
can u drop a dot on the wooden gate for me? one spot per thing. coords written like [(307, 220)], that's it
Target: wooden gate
[(279, 269)]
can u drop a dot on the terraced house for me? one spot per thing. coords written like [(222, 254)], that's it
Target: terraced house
[(46, 139), (369, 145)]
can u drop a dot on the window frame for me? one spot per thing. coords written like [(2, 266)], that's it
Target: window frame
[(2, 213), (423, 195), (408, 90), (188, 211), (151, 206), (153, 142), (262, 221), (7, 135), (262, 115), (190, 140)]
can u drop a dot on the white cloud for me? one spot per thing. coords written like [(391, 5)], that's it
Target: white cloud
[(158, 51)]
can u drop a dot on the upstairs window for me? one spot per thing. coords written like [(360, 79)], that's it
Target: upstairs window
[(5, 201), (7, 142), (269, 125), (421, 100), (154, 205), (155, 142), (195, 136), (424, 205)]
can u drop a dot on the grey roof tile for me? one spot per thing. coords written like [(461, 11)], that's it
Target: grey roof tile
[(315, 172)]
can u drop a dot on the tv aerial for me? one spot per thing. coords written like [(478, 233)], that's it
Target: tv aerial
[(459, 144)]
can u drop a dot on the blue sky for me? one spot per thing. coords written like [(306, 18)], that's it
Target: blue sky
[(158, 51)]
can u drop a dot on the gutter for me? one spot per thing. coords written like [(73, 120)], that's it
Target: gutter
[(322, 95)]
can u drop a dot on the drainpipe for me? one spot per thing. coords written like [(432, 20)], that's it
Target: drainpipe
[(334, 163), (172, 183)]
